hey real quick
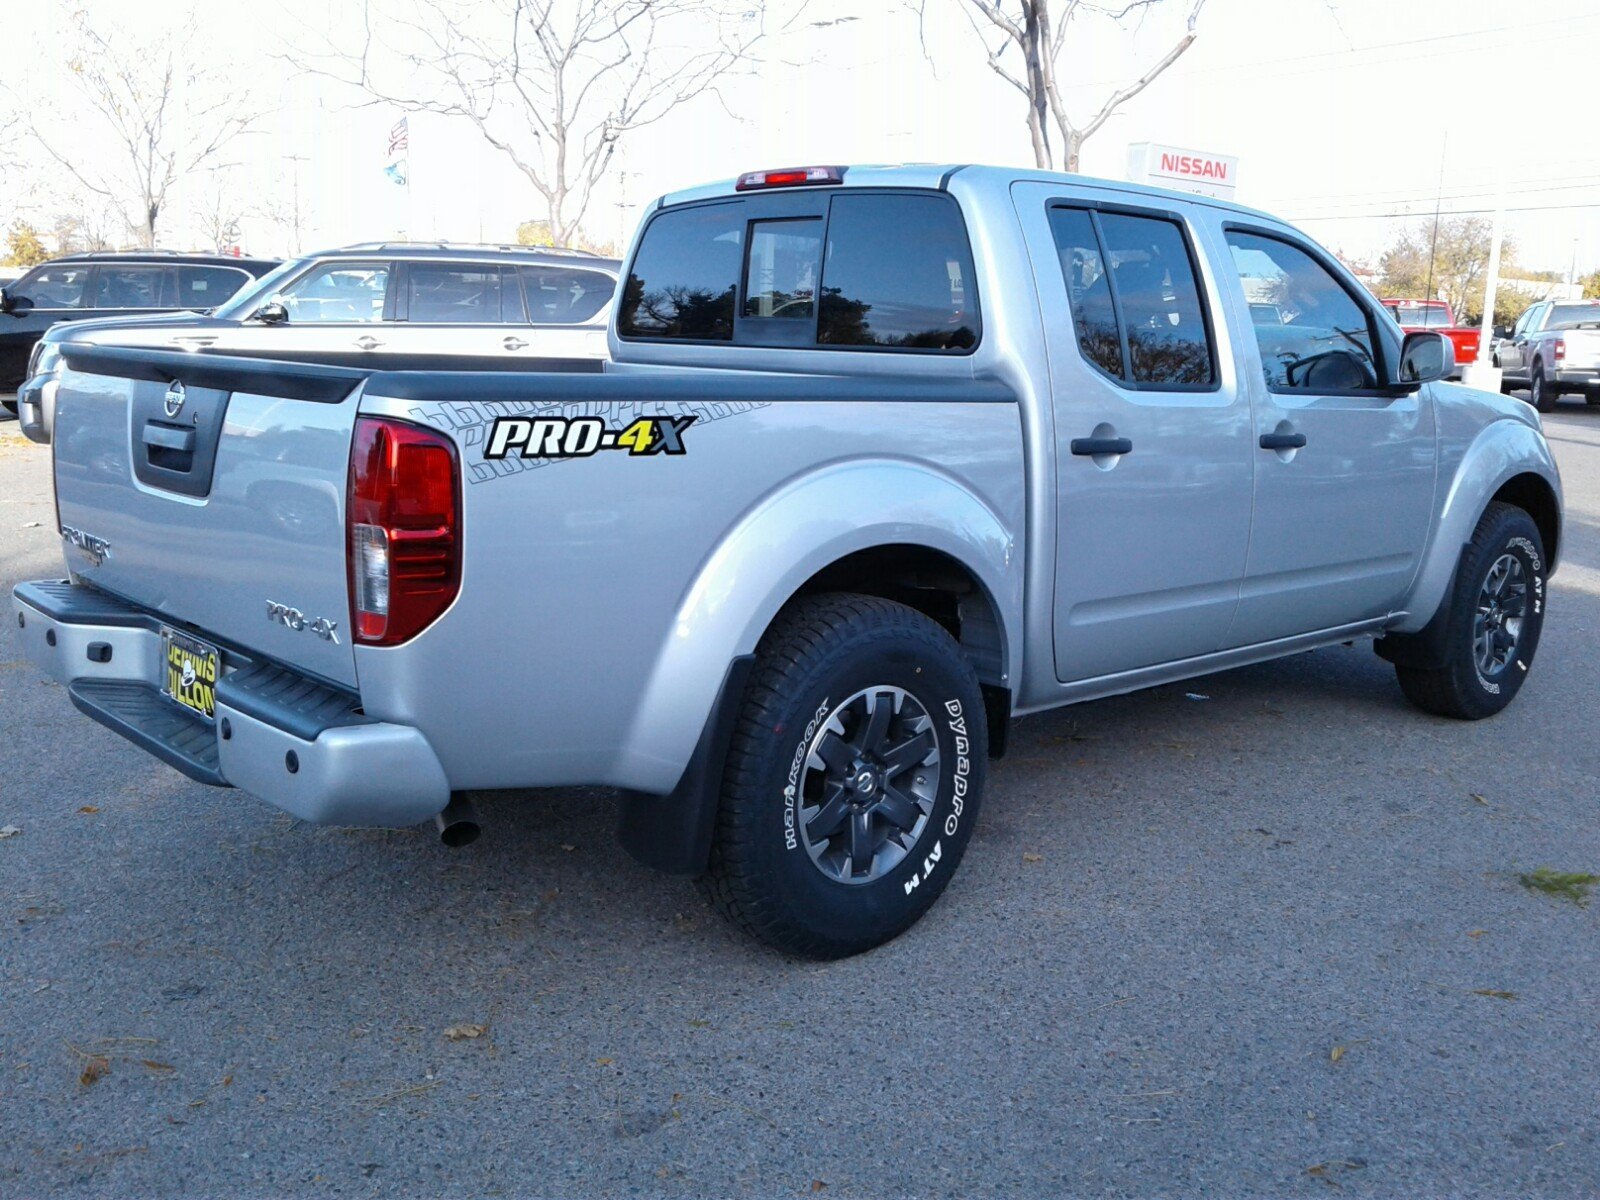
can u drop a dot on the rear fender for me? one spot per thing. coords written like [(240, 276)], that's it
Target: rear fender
[(1502, 450), (807, 524)]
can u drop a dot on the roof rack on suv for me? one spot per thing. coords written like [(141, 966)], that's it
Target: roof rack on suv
[(573, 251)]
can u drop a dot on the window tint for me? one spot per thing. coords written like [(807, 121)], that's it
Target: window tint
[(1325, 343), (1574, 316), (452, 294), (563, 296), (1158, 300), (207, 287), (1151, 297), (685, 274), (53, 287), (898, 272), (338, 293), (1088, 288), (130, 287), (781, 275)]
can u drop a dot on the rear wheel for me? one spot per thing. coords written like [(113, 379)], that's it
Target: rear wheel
[(853, 778), (1494, 617), (1540, 394)]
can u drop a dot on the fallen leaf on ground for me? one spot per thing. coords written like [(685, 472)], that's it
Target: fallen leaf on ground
[(1495, 994), (817, 1185), (94, 1068), (156, 1066), (1032, 858), (1479, 799), (458, 1033), (604, 1062), (9, 831), (90, 808), (1476, 932), (567, 847), (1336, 1054)]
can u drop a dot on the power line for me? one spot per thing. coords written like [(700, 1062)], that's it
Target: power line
[(1448, 212)]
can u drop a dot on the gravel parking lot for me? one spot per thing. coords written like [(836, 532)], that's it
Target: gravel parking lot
[(1260, 935)]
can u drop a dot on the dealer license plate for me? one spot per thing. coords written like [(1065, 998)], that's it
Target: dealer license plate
[(189, 669)]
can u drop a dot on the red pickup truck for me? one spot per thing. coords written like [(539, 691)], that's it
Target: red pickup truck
[(1415, 315)]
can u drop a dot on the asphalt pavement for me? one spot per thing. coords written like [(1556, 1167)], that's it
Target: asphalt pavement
[(1262, 934)]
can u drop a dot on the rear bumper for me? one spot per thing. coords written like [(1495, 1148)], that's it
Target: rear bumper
[(1577, 377), (295, 742)]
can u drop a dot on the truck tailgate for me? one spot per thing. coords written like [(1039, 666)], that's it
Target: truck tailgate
[(1582, 347), (207, 489)]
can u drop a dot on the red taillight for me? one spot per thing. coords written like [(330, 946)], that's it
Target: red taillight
[(1561, 349), (788, 177), (403, 527)]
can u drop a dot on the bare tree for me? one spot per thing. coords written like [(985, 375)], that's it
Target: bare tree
[(218, 212), (1023, 42), (164, 117), (554, 85)]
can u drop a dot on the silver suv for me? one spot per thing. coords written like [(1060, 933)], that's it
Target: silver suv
[(383, 306)]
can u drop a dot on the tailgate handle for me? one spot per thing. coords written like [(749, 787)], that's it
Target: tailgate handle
[(164, 437)]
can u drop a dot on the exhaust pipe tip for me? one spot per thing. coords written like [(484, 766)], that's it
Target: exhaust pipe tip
[(458, 823)]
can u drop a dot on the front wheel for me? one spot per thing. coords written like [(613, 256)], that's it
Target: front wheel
[(853, 778), (1493, 620)]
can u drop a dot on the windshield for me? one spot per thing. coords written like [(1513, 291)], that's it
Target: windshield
[(252, 295), (1425, 316), (1574, 316)]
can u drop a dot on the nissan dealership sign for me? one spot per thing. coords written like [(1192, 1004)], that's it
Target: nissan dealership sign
[(1187, 170)]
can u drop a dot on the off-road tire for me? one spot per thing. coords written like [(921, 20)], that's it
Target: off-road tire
[(821, 651), (1460, 688), (1540, 394)]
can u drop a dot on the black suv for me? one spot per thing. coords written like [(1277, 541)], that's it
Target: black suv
[(111, 285)]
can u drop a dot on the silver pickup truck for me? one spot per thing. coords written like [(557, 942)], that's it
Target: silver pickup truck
[(1553, 350), (886, 458)]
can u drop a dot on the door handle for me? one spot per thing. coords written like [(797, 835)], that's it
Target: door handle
[(1089, 446), (163, 437), (1283, 441), (368, 342), (514, 343)]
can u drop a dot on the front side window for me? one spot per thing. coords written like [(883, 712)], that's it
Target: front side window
[(684, 277), (52, 287), (781, 275), (338, 293), (1326, 341), (898, 273), (565, 295), (130, 287), (207, 287), (1135, 300), (447, 294)]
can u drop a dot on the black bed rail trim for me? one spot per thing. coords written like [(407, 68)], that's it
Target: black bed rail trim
[(257, 376)]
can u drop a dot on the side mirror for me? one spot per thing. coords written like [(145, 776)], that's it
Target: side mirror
[(1502, 331), (7, 303), (1424, 357), (273, 312)]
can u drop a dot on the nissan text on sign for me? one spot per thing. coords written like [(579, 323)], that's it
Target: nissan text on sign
[(1197, 171)]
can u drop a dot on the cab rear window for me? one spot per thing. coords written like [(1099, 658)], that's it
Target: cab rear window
[(858, 271)]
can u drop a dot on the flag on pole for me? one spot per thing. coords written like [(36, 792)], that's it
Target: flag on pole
[(397, 165)]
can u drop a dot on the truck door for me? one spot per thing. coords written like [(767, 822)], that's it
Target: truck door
[(1152, 436), (1513, 357), (1344, 469)]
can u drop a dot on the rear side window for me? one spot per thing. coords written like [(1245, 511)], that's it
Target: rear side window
[(685, 274), (131, 287), (898, 273), (565, 295), (1136, 301), (452, 294), (207, 287)]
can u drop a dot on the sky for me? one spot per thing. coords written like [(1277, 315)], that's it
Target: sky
[(1345, 115)]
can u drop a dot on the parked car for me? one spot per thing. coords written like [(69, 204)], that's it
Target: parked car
[(385, 306), (81, 286), (1553, 350), (1416, 315), (884, 458)]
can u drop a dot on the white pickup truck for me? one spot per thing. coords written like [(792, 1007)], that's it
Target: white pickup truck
[(886, 457)]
